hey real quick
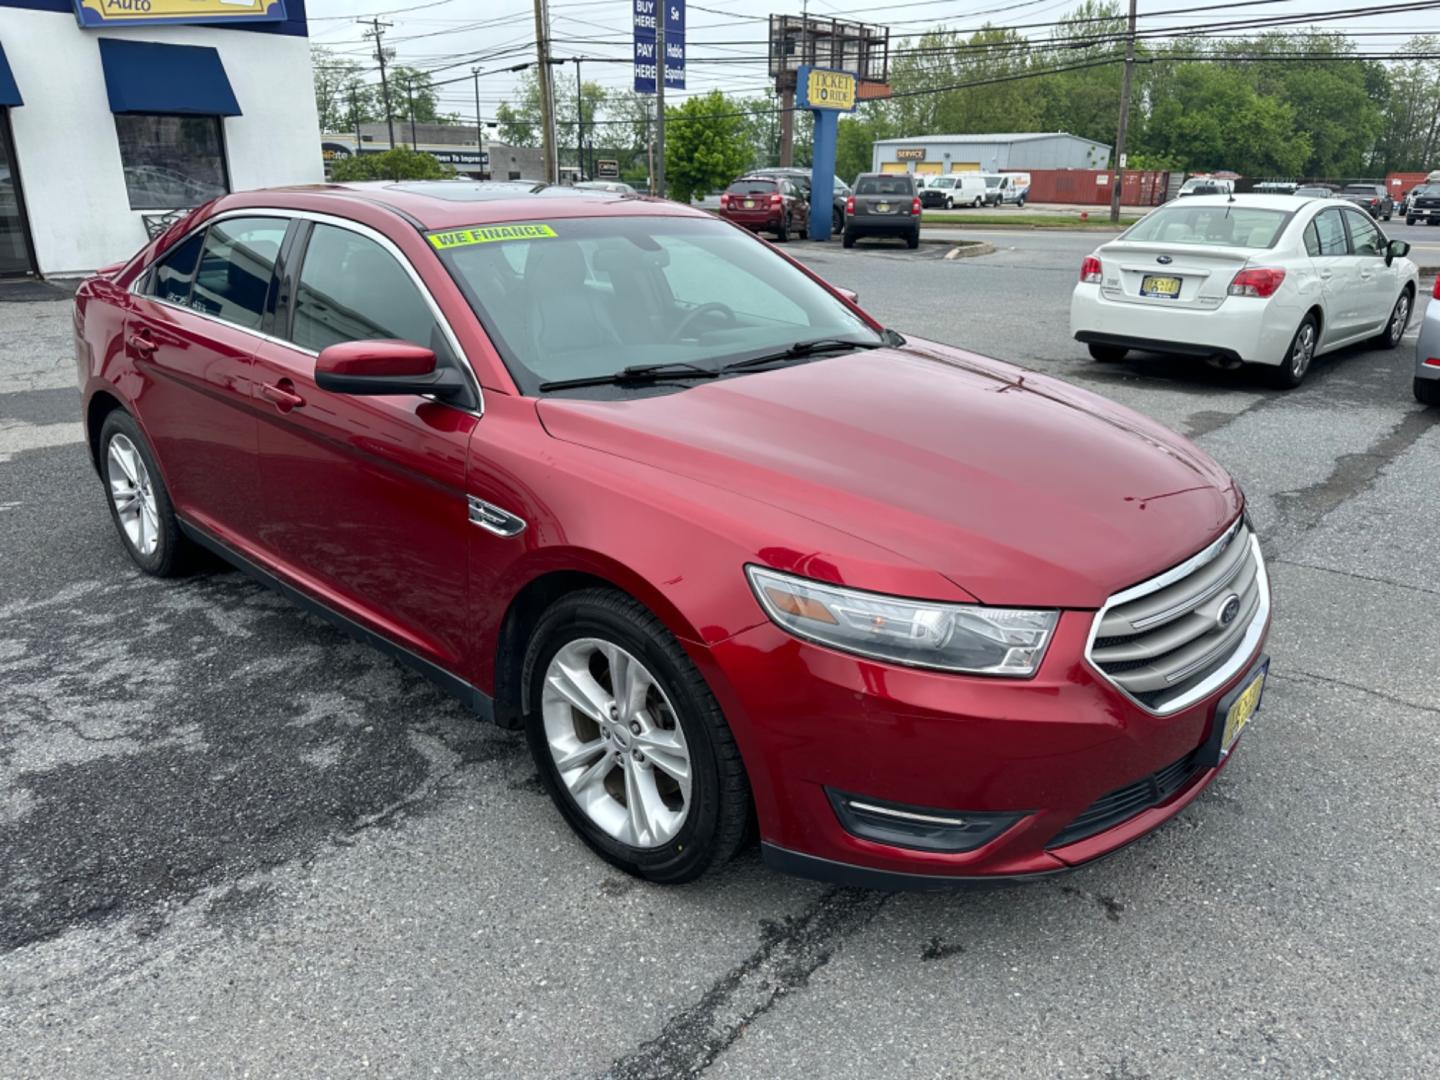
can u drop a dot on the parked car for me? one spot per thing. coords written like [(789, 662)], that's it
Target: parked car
[(954, 189), (884, 204), (1372, 198), (1206, 185), (1274, 187), (1314, 191), (621, 476), (1017, 189), (1427, 353), (803, 179), (1271, 280), (766, 204), (614, 187), (1000, 188), (1424, 205)]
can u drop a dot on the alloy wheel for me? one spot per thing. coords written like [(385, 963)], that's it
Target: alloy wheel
[(1303, 351), (1399, 318), (132, 495), (616, 742)]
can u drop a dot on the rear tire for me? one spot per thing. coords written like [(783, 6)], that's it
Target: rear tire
[(583, 646), (1394, 331), (837, 222), (1427, 391), (140, 506), (912, 239), (848, 239), (1107, 354), (1298, 358)]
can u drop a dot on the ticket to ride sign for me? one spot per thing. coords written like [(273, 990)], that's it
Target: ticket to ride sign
[(822, 88), (97, 13)]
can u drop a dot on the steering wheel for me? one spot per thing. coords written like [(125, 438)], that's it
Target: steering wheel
[(703, 309)]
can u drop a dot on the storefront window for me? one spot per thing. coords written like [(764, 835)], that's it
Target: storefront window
[(171, 162)]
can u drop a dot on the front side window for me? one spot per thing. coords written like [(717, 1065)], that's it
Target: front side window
[(171, 162), (352, 289), (1365, 238), (1330, 231), (583, 298), (236, 266), (173, 274)]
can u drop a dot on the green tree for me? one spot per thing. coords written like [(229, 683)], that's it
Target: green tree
[(410, 86), (855, 141), (515, 128), (342, 97), (705, 145), (400, 163)]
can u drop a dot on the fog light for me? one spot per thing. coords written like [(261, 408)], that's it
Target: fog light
[(917, 827)]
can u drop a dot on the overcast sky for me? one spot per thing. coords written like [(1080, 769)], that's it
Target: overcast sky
[(725, 37)]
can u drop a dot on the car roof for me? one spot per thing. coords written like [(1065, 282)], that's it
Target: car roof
[(451, 204), (1263, 202)]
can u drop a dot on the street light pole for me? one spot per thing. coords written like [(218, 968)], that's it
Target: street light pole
[(547, 91), (410, 97), (479, 125), (1124, 129), (579, 123)]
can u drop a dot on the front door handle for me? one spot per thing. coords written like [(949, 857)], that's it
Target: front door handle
[(283, 395), (1326, 275), (141, 343)]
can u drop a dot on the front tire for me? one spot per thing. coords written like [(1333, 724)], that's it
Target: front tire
[(1427, 391), (1394, 331), (1409, 221), (630, 742), (837, 222), (1291, 373), (949, 203), (1107, 354), (782, 234), (139, 502)]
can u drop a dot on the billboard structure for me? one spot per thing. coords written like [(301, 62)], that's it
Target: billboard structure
[(814, 41)]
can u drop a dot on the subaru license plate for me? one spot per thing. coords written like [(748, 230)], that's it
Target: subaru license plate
[(1155, 285)]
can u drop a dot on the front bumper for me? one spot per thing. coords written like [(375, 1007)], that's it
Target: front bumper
[(811, 721), (1240, 328)]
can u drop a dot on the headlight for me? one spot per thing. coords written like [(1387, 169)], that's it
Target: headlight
[(951, 637)]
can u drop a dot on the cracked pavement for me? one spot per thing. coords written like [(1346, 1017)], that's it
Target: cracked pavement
[(235, 843)]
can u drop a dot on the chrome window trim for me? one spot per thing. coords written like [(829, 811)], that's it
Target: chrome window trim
[(360, 229), (1243, 651)]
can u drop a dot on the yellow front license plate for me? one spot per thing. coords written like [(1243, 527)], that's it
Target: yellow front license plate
[(1153, 285), (1241, 710)]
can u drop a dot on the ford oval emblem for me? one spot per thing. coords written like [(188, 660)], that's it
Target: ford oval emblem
[(1228, 611), (1164, 260)]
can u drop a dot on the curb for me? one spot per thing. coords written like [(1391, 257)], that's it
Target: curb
[(970, 249)]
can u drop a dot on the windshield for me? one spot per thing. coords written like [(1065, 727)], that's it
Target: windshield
[(1429, 192), (942, 182), (1228, 226), (582, 297), (992, 181), (883, 185)]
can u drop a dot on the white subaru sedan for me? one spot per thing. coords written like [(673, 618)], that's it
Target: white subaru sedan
[(1254, 279)]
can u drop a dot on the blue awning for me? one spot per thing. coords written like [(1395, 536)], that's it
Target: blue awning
[(145, 77), (9, 92)]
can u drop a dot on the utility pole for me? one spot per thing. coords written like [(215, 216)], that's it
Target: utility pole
[(355, 119), (377, 31), (547, 91), (479, 126), (410, 98), (579, 123), (1124, 129), (659, 173)]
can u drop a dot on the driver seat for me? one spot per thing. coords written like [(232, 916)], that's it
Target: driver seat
[(565, 314)]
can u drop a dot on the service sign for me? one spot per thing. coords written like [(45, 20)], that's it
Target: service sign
[(822, 88), (100, 13), (910, 153)]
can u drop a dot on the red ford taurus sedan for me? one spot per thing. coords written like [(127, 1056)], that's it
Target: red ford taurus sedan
[(620, 474)]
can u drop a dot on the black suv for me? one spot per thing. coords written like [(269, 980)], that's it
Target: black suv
[(1371, 197), (801, 179)]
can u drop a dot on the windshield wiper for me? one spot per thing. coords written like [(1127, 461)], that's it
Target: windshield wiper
[(636, 373), (799, 351)]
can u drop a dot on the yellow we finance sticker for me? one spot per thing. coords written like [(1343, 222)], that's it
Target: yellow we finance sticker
[(443, 241)]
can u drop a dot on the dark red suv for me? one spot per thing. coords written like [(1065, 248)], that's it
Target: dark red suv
[(728, 550), (767, 204)]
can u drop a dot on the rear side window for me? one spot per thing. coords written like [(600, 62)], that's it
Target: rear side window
[(352, 289), (1330, 232), (173, 274), (236, 266), (883, 185)]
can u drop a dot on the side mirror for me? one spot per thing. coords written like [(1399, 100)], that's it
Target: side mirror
[(849, 294), (384, 367), (1398, 249)]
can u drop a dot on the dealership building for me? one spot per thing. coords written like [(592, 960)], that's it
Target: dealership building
[(111, 121), (930, 154)]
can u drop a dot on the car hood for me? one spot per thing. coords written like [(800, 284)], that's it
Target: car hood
[(1019, 488)]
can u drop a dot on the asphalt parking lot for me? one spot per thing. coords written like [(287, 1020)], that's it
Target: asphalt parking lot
[(233, 842)]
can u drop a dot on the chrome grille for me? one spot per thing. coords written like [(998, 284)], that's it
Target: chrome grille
[(1165, 643)]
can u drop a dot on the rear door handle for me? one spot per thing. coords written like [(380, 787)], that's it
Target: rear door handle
[(282, 395)]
